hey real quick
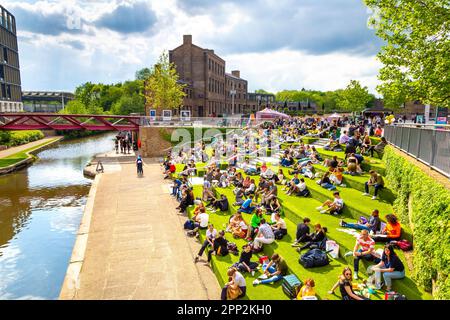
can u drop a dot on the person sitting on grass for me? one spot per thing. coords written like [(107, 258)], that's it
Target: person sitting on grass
[(272, 192), (316, 240), (281, 177), (236, 287), (375, 180), (251, 188), (279, 228), (307, 290), (265, 236), (366, 144), (201, 220), (211, 235), (245, 182), (274, 271), (262, 185), (332, 207), (337, 177), (240, 230), (391, 232), (353, 167), (187, 199), (245, 264), (239, 193), (274, 206), (364, 249), (373, 225), (255, 221), (247, 207), (390, 266), (325, 182), (207, 192), (220, 247), (170, 170), (378, 148), (345, 286), (294, 181), (219, 204), (199, 208), (302, 234)]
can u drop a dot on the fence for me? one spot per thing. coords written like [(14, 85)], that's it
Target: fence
[(428, 143)]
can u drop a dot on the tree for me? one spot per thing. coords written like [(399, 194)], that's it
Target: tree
[(416, 54), (354, 97), (129, 104), (162, 90), (143, 74), (74, 107)]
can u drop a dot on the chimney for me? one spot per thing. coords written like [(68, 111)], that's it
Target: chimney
[(236, 73), (187, 39)]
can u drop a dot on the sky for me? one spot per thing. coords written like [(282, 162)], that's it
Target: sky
[(276, 44)]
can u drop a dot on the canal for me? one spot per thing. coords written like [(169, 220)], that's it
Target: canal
[(40, 212)]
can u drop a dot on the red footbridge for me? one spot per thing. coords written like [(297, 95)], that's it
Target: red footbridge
[(52, 121), (56, 121)]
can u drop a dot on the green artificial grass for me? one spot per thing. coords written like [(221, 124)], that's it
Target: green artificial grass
[(295, 209)]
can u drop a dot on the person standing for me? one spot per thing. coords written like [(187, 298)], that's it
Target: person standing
[(139, 165)]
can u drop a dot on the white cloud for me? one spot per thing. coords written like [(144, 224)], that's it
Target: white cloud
[(58, 59)]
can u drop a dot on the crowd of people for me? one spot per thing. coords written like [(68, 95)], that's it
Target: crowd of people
[(257, 189)]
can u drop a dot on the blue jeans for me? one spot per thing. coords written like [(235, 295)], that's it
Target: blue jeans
[(328, 186), (247, 210), (388, 276), (376, 187), (271, 279), (356, 226)]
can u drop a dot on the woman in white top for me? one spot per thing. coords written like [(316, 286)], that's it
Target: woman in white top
[(279, 228), (211, 234), (236, 287)]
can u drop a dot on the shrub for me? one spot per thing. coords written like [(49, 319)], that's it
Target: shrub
[(18, 138), (424, 204)]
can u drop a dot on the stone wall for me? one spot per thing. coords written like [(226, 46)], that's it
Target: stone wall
[(153, 142)]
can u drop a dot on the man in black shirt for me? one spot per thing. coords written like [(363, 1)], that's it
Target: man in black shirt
[(302, 234)]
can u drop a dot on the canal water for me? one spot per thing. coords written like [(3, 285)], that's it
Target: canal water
[(40, 212)]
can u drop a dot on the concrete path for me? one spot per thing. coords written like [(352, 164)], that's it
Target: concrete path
[(136, 247), (13, 150)]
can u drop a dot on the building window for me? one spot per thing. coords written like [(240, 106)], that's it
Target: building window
[(5, 54), (2, 72)]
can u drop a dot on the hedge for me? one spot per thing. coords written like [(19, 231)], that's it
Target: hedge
[(424, 204), (17, 138)]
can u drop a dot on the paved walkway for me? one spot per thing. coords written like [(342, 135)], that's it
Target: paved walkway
[(136, 248), (13, 150)]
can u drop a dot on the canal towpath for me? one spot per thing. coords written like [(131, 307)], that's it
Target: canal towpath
[(131, 243)]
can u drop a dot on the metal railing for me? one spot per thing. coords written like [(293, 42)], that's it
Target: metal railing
[(199, 122), (429, 144)]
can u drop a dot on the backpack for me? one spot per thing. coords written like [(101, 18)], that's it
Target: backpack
[(403, 245), (291, 285), (232, 247), (189, 225), (392, 295), (314, 258)]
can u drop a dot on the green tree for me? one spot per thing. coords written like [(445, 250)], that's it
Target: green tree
[(416, 55), (143, 74), (129, 104), (74, 107), (354, 97), (162, 90)]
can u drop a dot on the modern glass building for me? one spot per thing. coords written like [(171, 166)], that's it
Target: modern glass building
[(10, 84)]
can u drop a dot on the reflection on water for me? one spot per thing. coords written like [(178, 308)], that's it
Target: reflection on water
[(40, 211)]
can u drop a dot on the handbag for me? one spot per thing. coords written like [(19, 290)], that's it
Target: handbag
[(233, 292)]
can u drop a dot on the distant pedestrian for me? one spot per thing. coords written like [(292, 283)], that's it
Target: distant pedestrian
[(139, 166)]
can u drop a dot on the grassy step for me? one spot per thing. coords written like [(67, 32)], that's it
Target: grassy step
[(368, 164), (358, 182), (324, 277)]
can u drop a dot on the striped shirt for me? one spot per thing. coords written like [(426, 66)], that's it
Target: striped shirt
[(366, 245)]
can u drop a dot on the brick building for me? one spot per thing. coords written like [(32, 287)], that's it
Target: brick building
[(210, 89), (10, 83)]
